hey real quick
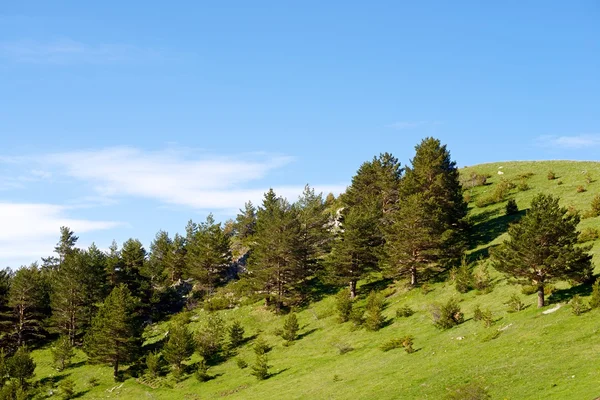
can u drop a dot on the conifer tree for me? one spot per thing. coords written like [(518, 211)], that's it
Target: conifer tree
[(236, 334), (209, 338), (179, 347), (542, 247), (245, 222), (354, 251), (273, 263), (6, 313), (28, 297), (161, 250), (208, 254), (114, 337), (290, 328), (132, 273), (95, 281), (435, 176), (62, 353), (21, 366)]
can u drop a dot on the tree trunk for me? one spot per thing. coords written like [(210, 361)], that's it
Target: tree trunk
[(352, 289), (413, 276), (116, 369), (540, 292)]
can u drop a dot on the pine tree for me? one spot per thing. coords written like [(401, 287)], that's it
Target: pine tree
[(374, 319), (236, 334), (161, 250), (344, 305), (132, 273), (273, 263), (62, 353), (435, 176), (6, 313), (245, 222), (412, 241), (66, 244), (354, 252), (179, 347), (290, 328), (542, 246), (314, 236), (21, 366), (114, 336), (95, 282), (209, 338), (208, 254), (28, 297)]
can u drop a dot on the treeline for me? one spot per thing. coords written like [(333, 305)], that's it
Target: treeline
[(401, 222)]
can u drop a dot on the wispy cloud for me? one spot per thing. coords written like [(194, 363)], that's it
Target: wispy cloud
[(404, 125), (68, 51), (180, 177), (32, 229), (570, 142)]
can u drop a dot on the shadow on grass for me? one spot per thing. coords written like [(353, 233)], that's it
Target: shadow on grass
[(563, 295), (79, 394), (305, 334), (76, 365), (317, 289), (488, 230), (376, 286), (278, 372), (52, 380)]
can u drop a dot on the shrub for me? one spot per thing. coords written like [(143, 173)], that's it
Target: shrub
[(481, 278), (426, 288), (551, 175), (67, 387), (374, 319), (588, 234), (236, 334), (201, 373), (290, 328), (595, 299), (241, 363), (261, 368), (463, 278), (470, 391), (485, 316), (154, 364), (474, 180), (577, 306), (261, 347), (511, 207), (62, 353), (404, 312), (526, 175), (528, 289), (595, 205), (391, 345), (344, 305), (209, 339), (523, 186), (559, 182), (477, 313), (343, 348), (514, 303), (93, 381), (217, 303), (580, 189), (491, 336), (467, 197), (447, 315), (588, 178)]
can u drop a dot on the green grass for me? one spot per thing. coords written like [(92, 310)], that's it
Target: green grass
[(536, 356)]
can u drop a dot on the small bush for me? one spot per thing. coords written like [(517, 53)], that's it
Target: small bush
[(261, 347), (559, 182), (551, 175), (588, 234), (523, 186), (491, 336), (485, 316), (588, 178), (595, 205), (391, 345), (343, 348), (343, 304), (467, 197), (447, 315), (357, 317), (290, 328), (405, 342), (511, 207), (241, 363), (470, 391), (236, 334), (93, 381), (580, 189), (404, 312), (261, 368), (217, 303), (481, 279), (515, 304), (595, 298), (62, 353), (154, 364), (577, 306), (374, 319), (463, 278), (474, 180), (67, 387), (426, 288), (201, 373)]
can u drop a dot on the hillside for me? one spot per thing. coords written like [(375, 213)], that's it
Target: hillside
[(523, 355)]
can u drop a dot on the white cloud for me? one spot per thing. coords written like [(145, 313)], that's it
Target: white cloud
[(403, 125), (68, 51), (176, 177), (570, 142), (30, 231)]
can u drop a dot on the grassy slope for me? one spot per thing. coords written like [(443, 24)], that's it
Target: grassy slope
[(536, 356)]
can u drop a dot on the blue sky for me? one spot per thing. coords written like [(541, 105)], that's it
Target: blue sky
[(122, 118)]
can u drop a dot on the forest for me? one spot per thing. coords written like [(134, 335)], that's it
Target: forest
[(395, 226)]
